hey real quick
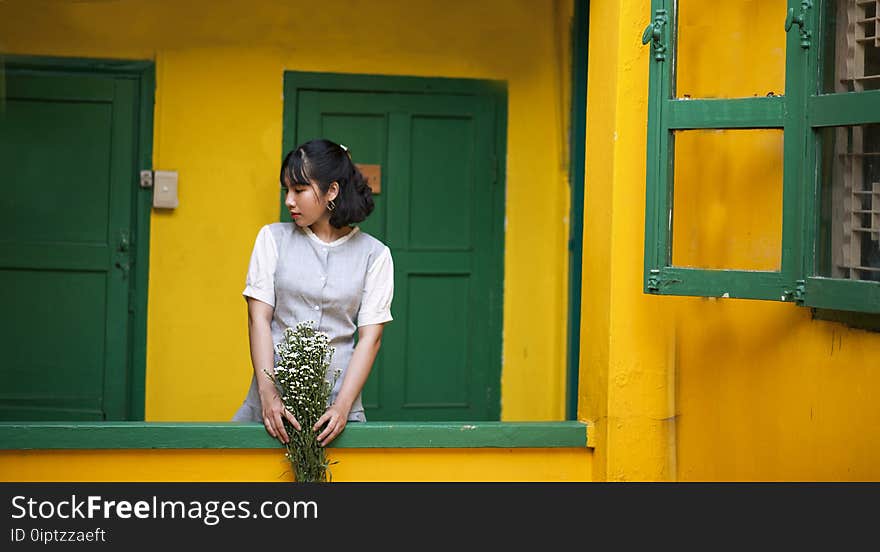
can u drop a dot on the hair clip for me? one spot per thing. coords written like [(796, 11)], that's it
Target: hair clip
[(344, 147)]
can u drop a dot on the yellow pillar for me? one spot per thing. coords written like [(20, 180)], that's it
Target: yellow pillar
[(627, 342)]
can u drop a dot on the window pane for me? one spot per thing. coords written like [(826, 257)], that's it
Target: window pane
[(850, 203), (852, 47), (730, 48), (727, 199)]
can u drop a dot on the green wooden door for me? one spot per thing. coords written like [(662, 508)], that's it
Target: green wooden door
[(437, 211), (67, 154)]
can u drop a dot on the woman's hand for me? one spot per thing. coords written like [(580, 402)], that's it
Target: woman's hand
[(336, 417), (273, 410)]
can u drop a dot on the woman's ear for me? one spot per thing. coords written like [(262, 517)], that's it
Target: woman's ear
[(333, 191)]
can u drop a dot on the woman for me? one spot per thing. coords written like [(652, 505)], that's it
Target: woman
[(318, 267)]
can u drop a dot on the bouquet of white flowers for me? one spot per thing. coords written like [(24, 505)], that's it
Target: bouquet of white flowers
[(305, 356)]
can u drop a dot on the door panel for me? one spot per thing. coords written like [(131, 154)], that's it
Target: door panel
[(437, 301), (441, 183), (71, 138), (66, 167), (45, 339)]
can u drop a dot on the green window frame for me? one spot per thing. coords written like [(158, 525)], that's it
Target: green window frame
[(801, 113), (824, 110)]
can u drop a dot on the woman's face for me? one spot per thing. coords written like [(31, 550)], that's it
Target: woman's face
[(305, 204)]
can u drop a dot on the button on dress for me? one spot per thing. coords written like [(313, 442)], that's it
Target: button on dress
[(339, 286)]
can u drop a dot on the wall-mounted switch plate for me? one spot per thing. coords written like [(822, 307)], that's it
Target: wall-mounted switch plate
[(165, 189)]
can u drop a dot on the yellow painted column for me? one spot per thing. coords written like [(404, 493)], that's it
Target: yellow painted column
[(628, 346)]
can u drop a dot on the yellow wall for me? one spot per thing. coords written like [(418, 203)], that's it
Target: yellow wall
[(380, 465), (693, 388), (219, 69), (674, 388)]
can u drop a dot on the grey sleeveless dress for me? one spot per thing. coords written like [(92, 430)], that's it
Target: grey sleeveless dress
[(322, 282)]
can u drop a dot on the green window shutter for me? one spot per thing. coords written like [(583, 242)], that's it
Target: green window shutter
[(842, 264), (669, 116)]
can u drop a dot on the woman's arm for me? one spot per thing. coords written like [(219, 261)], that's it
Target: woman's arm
[(336, 415), (263, 359)]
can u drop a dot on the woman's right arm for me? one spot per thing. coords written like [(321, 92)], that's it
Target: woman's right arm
[(262, 359)]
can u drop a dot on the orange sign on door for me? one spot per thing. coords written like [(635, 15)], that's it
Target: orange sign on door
[(373, 174)]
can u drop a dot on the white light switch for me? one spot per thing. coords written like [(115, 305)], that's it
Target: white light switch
[(165, 189)]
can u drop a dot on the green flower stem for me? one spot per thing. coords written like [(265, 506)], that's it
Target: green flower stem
[(304, 358)]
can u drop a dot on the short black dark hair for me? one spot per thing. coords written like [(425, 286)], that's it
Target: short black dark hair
[(324, 162)]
